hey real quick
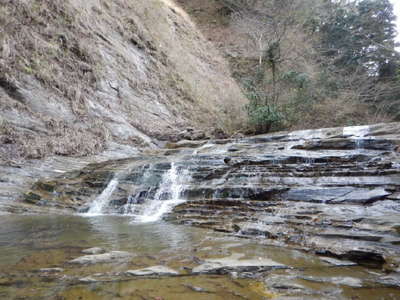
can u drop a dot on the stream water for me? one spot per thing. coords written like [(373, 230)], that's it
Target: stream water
[(270, 217), (31, 243)]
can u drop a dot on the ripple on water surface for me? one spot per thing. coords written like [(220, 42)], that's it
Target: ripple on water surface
[(31, 243)]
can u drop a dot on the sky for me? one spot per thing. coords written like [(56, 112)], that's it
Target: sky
[(396, 5)]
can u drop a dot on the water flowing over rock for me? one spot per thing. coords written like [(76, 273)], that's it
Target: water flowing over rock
[(334, 191), (101, 201), (168, 196)]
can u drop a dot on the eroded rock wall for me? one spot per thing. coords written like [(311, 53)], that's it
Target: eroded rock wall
[(80, 77), (333, 191)]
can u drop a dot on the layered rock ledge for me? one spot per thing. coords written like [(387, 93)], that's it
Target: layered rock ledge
[(335, 191)]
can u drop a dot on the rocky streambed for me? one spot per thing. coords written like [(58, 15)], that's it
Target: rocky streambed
[(302, 215)]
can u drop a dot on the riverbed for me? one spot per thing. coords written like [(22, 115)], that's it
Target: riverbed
[(35, 255)]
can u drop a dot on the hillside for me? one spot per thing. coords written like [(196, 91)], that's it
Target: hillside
[(80, 77), (307, 64)]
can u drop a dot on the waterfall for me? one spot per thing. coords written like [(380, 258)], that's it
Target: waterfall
[(131, 205), (97, 206), (168, 195), (358, 133)]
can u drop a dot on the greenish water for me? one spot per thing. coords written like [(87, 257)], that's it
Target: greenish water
[(30, 243)]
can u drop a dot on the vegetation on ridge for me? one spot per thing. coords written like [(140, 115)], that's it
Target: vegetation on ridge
[(308, 64)]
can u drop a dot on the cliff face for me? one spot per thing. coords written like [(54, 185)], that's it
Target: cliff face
[(80, 77)]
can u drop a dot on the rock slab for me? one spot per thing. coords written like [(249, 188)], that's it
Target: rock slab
[(153, 271), (234, 263), (113, 256)]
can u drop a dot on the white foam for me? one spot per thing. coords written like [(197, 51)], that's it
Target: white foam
[(356, 131), (97, 206), (172, 184)]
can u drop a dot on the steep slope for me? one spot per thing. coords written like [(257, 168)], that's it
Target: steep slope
[(308, 89), (78, 77)]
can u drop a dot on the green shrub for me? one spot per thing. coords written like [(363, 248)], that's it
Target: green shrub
[(264, 118)]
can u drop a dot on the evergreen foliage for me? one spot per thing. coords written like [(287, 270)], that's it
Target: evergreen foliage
[(309, 54)]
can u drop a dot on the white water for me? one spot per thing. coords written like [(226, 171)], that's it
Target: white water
[(131, 206), (97, 206), (172, 185), (356, 131)]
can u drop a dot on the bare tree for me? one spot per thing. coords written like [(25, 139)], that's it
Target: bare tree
[(265, 25)]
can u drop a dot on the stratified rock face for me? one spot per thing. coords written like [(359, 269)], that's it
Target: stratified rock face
[(341, 202), (79, 77)]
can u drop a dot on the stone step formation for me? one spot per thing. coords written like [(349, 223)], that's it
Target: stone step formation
[(335, 191)]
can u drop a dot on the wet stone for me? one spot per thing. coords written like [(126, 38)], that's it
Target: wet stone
[(32, 198), (336, 195), (88, 279), (392, 280), (337, 262), (347, 281), (234, 263), (153, 271), (340, 201), (113, 256), (395, 196), (197, 289), (51, 270), (316, 194), (286, 283), (363, 196), (94, 250)]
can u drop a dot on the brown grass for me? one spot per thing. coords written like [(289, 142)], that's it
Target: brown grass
[(338, 112), (315, 109), (69, 51)]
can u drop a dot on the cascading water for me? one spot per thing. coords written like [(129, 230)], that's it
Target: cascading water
[(168, 195), (131, 206), (98, 205), (359, 133)]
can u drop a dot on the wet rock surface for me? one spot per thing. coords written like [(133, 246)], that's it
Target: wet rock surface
[(337, 262), (334, 191), (113, 256), (51, 270), (94, 250), (331, 192), (234, 263), (230, 267), (153, 271)]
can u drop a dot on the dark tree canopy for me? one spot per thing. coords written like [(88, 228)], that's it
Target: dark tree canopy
[(361, 34)]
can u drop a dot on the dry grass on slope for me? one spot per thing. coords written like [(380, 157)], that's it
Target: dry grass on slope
[(107, 71), (311, 107)]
